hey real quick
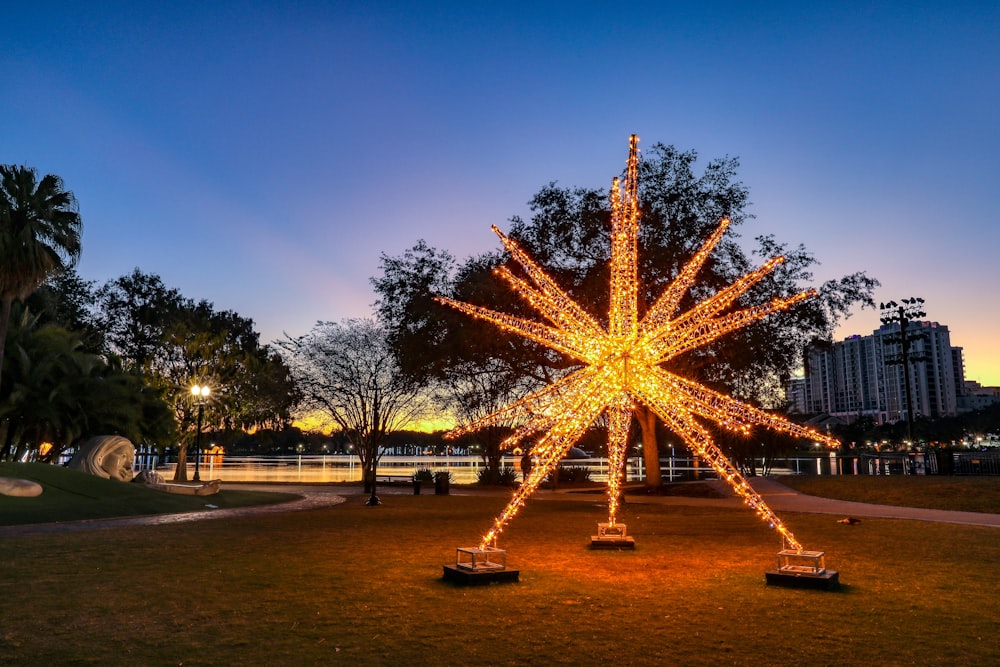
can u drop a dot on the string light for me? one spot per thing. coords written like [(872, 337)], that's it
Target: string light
[(620, 365)]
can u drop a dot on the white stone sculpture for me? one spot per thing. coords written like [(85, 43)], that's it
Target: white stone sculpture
[(108, 456), (24, 488)]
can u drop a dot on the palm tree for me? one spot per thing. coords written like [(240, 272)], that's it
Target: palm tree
[(59, 393), (39, 236)]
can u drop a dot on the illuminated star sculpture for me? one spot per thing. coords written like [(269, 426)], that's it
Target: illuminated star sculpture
[(620, 365)]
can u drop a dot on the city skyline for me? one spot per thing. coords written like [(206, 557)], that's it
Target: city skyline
[(262, 157)]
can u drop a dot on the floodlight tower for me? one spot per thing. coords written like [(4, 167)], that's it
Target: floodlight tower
[(904, 313)]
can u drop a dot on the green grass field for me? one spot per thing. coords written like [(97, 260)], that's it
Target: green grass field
[(354, 585), (967, 494), (71, 495)]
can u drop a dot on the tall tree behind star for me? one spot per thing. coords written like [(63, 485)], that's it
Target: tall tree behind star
[(568, 233)]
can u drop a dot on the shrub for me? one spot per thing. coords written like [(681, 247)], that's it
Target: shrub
[(508, 476), (505, 476), (573, 474), (424, 475)]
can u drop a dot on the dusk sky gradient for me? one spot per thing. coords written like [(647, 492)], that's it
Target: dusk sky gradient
[(263, 155)]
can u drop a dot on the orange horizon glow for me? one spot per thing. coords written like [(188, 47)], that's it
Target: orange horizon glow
[(317, 422)]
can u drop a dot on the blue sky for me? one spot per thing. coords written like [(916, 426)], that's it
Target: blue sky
[(262, 155)]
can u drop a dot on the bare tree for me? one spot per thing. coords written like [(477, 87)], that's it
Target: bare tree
[(472, 390), (348, 372)]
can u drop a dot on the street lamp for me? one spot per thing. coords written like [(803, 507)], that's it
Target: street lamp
[(903, 314), (200, 394)]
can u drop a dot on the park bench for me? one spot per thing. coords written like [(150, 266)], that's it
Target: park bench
[(393, 478)]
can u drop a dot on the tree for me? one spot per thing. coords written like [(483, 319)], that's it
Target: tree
[(59, 393), (251, 386), (39, 236), (175, 342), (347, 372), (135, 312), (471, 373), (67, 300), (568, 233)]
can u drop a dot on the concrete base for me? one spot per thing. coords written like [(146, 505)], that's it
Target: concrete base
[(827, 580), (466, 577), (608, 543)]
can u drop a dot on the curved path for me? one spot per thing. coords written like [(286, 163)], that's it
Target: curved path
[(780, 497), (312, 497)]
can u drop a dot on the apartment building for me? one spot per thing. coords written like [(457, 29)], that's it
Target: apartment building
[(864, 375)]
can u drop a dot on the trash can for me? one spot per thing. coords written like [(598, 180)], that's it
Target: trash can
[(442, 483), (416, 487)]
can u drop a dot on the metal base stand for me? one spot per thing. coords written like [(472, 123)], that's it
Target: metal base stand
[(611, 536), (475, 566), (802, 569)]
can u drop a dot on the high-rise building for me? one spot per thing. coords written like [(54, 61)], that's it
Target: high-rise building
[(864, 376)]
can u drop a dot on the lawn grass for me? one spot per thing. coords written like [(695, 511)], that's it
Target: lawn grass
[(356, 585), (967, 494), (71, 495)]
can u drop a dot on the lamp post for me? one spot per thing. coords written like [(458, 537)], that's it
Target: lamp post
[(903, 314), (200, 393)]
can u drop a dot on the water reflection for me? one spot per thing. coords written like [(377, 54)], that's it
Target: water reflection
[(321, 468)]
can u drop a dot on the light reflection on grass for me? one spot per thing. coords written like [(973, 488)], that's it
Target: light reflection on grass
[(362, 586)]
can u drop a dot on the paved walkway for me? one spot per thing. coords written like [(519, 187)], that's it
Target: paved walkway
[(784, 499), (780, 497), (313, 497)]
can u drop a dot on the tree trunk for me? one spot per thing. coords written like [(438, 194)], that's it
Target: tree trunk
[(10, 427), (494, 456), (373, 478), (5, 439), (4, 327), (27, 439), (650, 448), (180, 472), (491, 455)]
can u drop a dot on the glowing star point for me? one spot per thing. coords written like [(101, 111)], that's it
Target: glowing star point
[(620, 364)]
